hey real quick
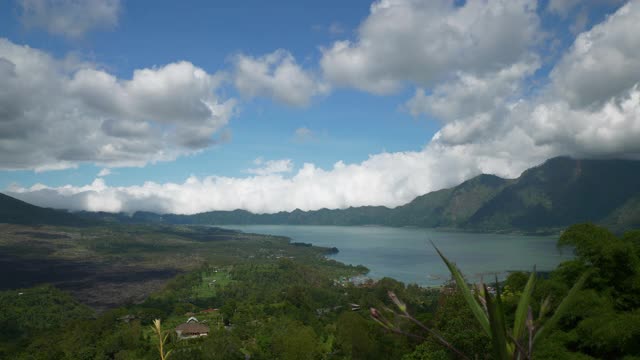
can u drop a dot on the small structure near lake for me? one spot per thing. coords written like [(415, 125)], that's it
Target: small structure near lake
[(192, 329)]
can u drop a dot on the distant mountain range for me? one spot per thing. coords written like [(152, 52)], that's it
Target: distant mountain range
[(546, 198)]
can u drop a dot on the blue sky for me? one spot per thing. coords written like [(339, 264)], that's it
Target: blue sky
[(232, 98), (349, 125)]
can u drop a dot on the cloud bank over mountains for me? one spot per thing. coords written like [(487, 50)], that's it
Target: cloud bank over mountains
[(477, 69), (387, 179)]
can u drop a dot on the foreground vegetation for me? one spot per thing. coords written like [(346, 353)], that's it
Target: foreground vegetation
[(586, 309), (286, 306), (283, 310)]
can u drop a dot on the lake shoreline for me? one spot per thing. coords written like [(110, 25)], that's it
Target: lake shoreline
[(405, 254)]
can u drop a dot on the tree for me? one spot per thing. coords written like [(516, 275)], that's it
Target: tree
[(353, 337), (295, 341)]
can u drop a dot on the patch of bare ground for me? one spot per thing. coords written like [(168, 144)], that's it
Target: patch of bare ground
[(30, 256), (100, 286)]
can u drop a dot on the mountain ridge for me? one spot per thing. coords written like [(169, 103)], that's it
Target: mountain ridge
[(545, 198), (15, 211)]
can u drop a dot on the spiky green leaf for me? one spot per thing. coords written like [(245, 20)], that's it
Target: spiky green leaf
[(544, 307), (520, 320), (475, 307), (497, 326)]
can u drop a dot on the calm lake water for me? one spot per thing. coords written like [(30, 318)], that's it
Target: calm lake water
[(405, 254)]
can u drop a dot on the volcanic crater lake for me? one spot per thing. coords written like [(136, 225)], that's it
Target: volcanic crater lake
[(406, 254)]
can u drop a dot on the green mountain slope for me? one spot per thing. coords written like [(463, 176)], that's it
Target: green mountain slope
[(449, 207), (560, 192), (626, 216), (15, 211)]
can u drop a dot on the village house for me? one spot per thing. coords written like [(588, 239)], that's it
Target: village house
[(192, 329)]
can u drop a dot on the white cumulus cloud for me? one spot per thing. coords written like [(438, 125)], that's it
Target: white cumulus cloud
[(426, 41), (58, 113), (276, 75), (603, 62), (589, 108), (468, 94), (384, 179)]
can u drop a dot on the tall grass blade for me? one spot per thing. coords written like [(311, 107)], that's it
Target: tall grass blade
[(544, 307), (497, 326), (475, 307), (520, 320)]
